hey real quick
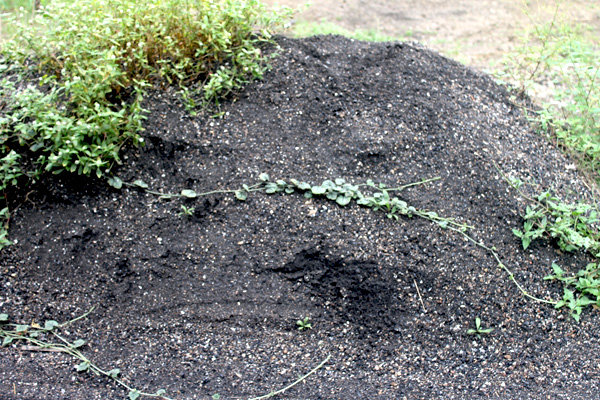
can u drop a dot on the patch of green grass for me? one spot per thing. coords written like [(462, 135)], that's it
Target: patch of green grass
[(305, 29), (75, 76)]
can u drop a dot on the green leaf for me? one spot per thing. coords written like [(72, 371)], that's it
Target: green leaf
[(114, 373), (7, 340), (300, 185), (264, 177), (568, 294), (134, 394), (84, 366), (190, 194), (584, 301), (160, 392), (526, 242), (576, 314), (271, 188), (216, 396), (21, 328), (78, 343), (557, 270), (3, 318), (115, 182), (318, 190), (140, 183), (241, 195), (343, 200), (49, 325), (517, 233)]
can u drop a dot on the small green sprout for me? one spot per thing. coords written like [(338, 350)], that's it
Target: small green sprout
[(478, 330), (304, 324), (187, 211)]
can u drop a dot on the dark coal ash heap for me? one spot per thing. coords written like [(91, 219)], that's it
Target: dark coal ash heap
[(208, 304)]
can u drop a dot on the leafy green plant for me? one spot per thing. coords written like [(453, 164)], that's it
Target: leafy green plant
[(74, 77), (187, 211), (41, 338), (586, 283), (342, 193), (478, 329), (304, 324), (574, 227), (559, 65)]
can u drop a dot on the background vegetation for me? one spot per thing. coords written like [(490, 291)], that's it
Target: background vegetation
[(75, 74)]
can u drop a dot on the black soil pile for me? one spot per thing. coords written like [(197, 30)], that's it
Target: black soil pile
[(208, 303)]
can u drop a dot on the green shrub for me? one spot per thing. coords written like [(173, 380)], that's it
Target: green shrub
[(561, 65), (75, 76)]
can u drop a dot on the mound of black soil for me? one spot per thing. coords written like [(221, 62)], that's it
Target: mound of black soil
[(208, 303)]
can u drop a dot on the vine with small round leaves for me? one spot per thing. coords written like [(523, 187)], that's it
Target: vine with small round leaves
[(39, 338)]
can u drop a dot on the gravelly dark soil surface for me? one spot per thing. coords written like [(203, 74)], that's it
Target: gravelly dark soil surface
[(208, 304)]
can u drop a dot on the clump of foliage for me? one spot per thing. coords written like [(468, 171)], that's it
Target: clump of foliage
[(574, 227), (75, 76), (586, 284), (560, 64)]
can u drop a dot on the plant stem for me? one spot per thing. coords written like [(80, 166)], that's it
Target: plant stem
[(291, 385)]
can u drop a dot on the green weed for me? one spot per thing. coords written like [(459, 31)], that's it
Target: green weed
[(48, 338), (559, 64), (186, 211), (586, 283), (75, 77), (304, 324), (573, 227), (478, 329)]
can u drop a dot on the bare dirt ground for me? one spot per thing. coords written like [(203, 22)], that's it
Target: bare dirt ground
[(208, 303), (474, 32)]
